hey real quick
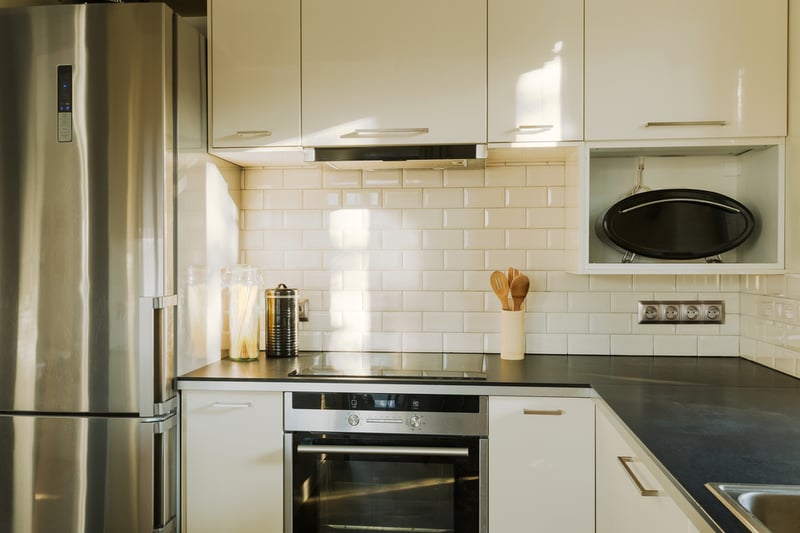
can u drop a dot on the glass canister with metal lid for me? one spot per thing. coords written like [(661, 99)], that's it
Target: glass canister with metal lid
[(282, 321)]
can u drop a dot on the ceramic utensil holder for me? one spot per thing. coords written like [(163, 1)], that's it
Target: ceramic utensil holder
[(512, 335)]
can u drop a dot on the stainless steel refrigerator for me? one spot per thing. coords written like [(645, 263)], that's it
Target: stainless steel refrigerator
[(88, 105)]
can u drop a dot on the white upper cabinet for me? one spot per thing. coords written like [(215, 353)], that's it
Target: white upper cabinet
[(393, 73), (254, 78), (685, 69), (535, 70)]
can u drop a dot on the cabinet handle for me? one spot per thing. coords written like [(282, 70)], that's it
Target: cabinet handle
[(687, 123), (231, 405), (382, 450), (523, 127), (259, 133), (643, 491), (386, 132), (552, 412)]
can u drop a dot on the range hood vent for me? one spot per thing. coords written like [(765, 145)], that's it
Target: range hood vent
[(435, 156)]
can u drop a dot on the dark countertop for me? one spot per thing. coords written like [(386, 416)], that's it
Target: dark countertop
[(706, 419)]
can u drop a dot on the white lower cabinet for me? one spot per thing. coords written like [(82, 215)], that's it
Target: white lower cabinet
[(232, 449), (541, 464), (633, 493)]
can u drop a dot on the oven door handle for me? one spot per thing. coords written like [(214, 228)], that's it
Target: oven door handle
[(384, 450)]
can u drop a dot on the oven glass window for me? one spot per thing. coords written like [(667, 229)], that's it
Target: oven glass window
[(384, 491)]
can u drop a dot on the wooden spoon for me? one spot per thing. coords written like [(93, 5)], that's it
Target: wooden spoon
[(519, 290), (500, 287)]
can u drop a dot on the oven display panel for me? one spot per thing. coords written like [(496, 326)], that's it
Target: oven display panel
[(386, 402)]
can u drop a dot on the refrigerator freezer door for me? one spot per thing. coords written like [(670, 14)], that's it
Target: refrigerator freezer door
[(86, 205), (86, 474)]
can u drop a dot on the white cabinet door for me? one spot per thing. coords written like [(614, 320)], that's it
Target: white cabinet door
[(630, 496), (232, 461), (254, 75), (535, 70), (397, 73), (686, 68), (541, 464)]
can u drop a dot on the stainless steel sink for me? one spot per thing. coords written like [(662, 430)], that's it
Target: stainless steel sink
[(762, 508)]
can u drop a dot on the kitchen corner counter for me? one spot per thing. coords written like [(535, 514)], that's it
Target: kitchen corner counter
[(705, 419)]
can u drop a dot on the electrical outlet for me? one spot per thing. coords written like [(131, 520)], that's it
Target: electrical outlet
[(681, 312)]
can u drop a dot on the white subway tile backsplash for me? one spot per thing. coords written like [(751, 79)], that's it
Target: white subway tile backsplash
[(251, 199), (422, 301), (528, 197), (555, 197), (422, 178), (631, 344), (263, 179), (545, 217), (398, 280), (302, 260), (402, 240), (527, 239), (400, 260), (423, 260), (494, 197), (302, 178), (618, 323), (423, 342), (463, 342), (382, 179), (589, 302), (543, 175), (556, 239), (361, 198), (538, 343), (463, 218), (321, 199), (502, 259), (484, 239), (443, 198), (341, 179), (505, 176), (464, 301), (402, 198), (402, 321), (463, 260), (674, 345), (505, 218), (568, 323), (589, 344), (718, 345), (283, 199), (464, 178), (443, 322), (444, 239), (422, 218)]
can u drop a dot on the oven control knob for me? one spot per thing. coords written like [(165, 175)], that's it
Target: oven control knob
[(415, 421), (353, 419)]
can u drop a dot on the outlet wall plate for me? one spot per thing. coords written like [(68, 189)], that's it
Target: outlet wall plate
[(681, 312)]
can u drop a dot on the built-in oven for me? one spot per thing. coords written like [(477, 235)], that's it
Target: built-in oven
[(366, 462)]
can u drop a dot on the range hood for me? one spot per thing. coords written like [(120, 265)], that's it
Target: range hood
[(432, 156)]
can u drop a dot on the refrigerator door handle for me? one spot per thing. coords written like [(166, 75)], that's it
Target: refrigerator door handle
[(161, 474), (157, 361)]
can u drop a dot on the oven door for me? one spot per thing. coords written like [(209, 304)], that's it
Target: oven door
[(394, 483)]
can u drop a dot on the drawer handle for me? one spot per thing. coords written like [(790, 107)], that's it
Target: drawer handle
[(687, 123), (386, 132), (522, 128), (259, 133), (231, 405), (643, 491), (550, 412)]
